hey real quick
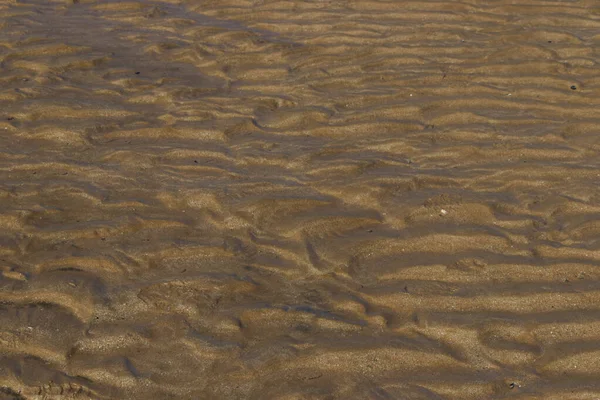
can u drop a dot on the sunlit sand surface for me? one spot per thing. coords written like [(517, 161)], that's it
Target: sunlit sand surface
[(335, 199)]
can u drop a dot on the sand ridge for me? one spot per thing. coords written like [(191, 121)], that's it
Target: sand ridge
[(340, 199)]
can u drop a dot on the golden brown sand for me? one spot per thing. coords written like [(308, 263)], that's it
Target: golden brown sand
[(333, 199)]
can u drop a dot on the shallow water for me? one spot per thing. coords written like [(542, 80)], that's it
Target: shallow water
[(299, 199)]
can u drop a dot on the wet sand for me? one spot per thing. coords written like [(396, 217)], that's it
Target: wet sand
[(299, 199)]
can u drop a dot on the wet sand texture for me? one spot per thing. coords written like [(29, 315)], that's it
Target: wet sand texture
[(246, 199)]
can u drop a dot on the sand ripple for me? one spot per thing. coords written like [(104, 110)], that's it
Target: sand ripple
[(299, 199)]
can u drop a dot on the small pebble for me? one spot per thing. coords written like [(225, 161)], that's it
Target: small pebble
[(443, 212), (513, 385)]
